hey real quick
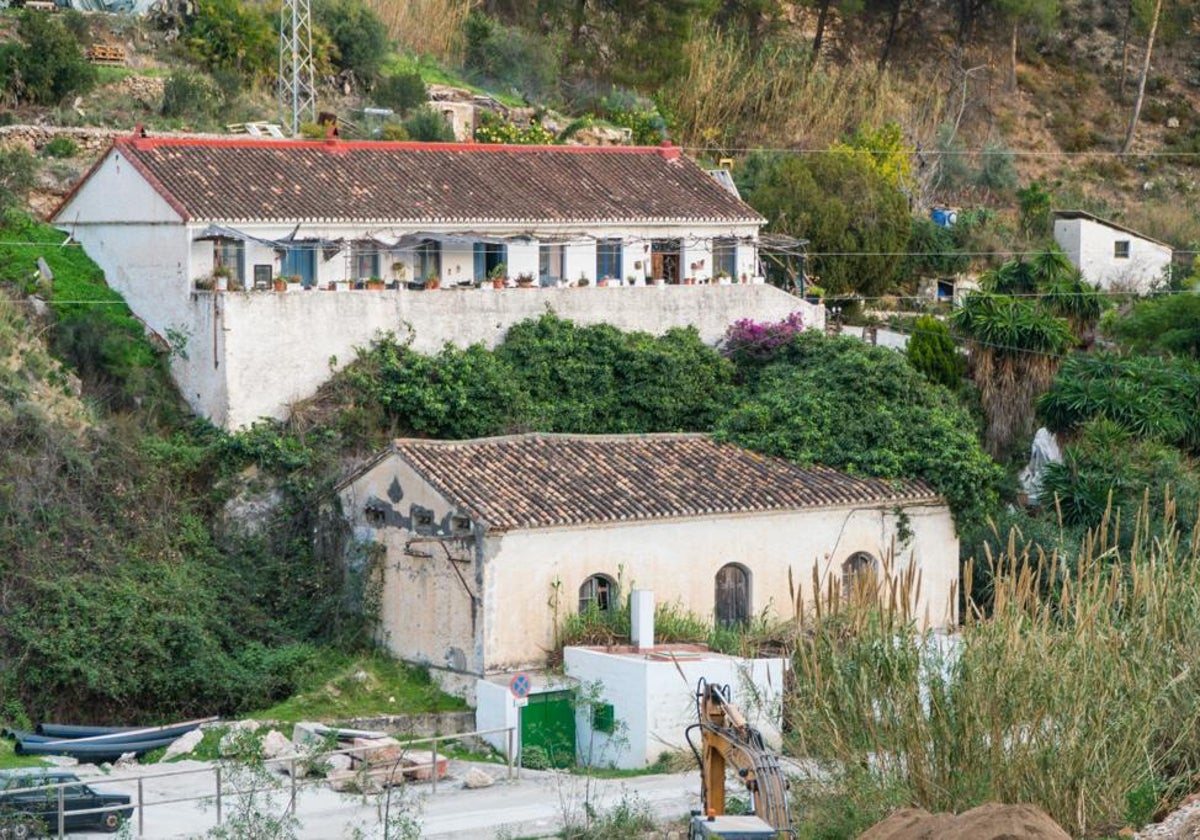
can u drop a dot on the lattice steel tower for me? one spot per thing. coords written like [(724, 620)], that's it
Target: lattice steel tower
[(297, 92)]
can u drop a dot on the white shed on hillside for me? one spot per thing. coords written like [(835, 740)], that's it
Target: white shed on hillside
[(1111, 256)]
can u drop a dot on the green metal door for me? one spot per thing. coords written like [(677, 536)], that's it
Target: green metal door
[(548, 729)]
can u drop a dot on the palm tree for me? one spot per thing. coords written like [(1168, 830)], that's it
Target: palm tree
[(1015, 348)]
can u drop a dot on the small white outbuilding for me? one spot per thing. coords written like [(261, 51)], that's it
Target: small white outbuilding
[(1111, 256)]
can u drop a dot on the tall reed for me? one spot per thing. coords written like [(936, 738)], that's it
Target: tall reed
[(426, 27), (1075, 690)]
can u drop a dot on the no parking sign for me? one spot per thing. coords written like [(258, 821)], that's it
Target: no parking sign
[(520, 685)]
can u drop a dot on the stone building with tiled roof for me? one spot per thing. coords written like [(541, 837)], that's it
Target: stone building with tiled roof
[(488, 544), (180, 223)]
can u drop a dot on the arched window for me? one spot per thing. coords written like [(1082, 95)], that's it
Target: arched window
[(856, 571), (732, 603), (598, 592)]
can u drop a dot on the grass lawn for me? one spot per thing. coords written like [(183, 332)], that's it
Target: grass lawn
[(9, 759), (342, 687)]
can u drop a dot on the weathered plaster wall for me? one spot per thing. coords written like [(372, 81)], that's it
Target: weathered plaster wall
[(679, 559), (280, 347), (427, 610)]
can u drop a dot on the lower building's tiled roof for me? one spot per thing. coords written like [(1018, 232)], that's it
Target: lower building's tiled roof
[(545, 480)]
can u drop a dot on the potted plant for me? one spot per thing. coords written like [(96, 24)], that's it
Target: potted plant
[(432, 281), (813, 293), (499, 275), (525, 280), (582, 281), (204, 284), (279, 283), (221, 274), (375, 284), (399, 272)]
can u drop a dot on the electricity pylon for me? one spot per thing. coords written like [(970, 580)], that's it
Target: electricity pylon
[(297, 92)]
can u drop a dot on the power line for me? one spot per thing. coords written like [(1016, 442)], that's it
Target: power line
[(985, 152)]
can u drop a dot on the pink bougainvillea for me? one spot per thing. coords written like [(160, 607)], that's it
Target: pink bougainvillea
[(748, 340)]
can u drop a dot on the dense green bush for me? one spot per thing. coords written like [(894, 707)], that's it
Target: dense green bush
[(1150, 397), (510, 57), (428, 126), (49, 64), (1169, 324), (598, 379), (401, 92), (932, 251), (225, 35), (1105, 464), (933, 352), (61, 147), (863, 409), (191, 96), (358, 35)]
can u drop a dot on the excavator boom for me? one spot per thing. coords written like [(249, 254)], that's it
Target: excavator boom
[(728, 742)]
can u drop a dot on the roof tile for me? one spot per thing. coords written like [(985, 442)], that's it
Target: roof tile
[(545, 480), (270, 180)]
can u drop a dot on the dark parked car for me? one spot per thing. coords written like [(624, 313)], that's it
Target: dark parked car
[(28, 813)]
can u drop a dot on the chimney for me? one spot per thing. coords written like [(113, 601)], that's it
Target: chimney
[(668, 151), (641, 613)]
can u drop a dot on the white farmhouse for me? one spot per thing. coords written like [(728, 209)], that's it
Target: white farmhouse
[(489, 544), (197, 232), (1111, 256)]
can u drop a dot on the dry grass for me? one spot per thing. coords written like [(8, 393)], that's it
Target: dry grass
[(1075, 690), (426, 27), (738, 95)]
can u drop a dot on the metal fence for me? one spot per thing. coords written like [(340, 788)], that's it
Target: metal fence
[(139, 805)]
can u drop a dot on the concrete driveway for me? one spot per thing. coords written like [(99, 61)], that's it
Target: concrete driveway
[(533, 806)]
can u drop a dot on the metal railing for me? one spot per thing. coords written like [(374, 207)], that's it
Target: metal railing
[(139, 804)]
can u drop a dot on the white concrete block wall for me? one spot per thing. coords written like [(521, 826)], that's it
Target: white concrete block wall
[(523, 259), (275, 356), (580, 258), (654, 701), (698, 253)]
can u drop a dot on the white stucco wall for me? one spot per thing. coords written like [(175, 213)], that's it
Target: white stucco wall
[(654, 700), (1090, 246), (279, 346), (678, 559)]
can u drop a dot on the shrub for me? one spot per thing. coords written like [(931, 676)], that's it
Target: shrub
[(932, 251), (863, 409), (61, 147), (493, 128), (401, 92), (750, 342), (510, 57), (359, 36), (18, 174), (933, 352), (190, 95), (49, 65), (226, 35), (428, 126)]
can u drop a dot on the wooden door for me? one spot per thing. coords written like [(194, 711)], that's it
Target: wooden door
[(732, 596)]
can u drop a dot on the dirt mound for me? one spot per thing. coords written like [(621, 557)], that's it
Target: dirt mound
[(987, 822)]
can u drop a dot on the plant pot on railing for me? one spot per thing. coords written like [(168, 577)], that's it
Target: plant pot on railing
[(375, 284), (279, 284)]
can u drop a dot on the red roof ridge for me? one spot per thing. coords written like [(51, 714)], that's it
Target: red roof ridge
[(141, 141)]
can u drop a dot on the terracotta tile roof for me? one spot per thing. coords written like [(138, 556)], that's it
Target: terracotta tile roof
[(543, 480), (287, 180)]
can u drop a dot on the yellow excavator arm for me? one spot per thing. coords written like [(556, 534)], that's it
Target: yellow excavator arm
[(727, 741)]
